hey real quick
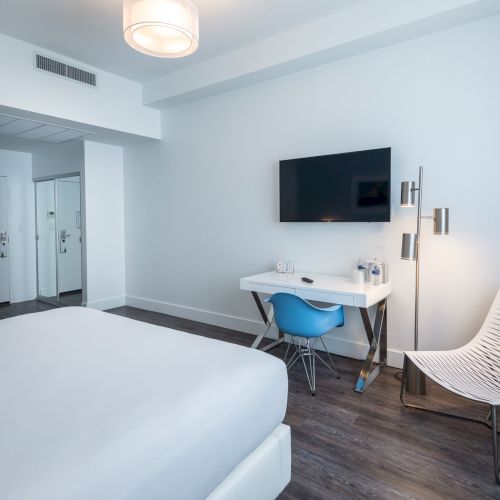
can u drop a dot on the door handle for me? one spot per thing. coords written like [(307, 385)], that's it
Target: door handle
[(3, 245), (63, 235)]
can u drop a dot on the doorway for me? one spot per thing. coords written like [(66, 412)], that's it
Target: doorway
[(59, 239)]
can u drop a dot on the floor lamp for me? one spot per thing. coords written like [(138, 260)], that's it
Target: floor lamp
[(410, 250)]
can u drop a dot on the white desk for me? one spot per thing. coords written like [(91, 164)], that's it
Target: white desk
[(333, 290)]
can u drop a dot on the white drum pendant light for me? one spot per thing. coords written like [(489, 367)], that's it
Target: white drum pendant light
[(161, 28)]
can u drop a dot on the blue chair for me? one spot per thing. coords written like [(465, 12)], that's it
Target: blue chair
[(308, 323)]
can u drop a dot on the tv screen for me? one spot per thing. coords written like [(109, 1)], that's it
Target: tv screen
[(347, 187)]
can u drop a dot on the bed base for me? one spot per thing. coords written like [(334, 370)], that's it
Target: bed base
[(264, 474)]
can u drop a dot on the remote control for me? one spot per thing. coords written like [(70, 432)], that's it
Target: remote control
[(307, 280)]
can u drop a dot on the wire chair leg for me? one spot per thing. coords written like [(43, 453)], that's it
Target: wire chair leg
[(308, 349), (296, 355), (333, 368), (286, 353), (310, 375), (312, 365), (301, 353), (495, 442), (293, 359)]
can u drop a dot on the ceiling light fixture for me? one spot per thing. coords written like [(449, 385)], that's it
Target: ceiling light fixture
[(161, 28)]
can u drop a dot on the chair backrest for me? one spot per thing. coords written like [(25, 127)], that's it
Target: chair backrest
[(295, 316)]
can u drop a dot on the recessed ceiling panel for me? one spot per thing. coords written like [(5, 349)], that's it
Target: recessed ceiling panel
[(18, 127), (41, 132), (67, 135), (22, 130)]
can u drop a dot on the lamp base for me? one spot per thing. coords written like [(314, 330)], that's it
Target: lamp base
[(415, 380)]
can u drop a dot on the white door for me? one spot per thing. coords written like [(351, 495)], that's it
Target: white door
[(4, 242), (69, 244)]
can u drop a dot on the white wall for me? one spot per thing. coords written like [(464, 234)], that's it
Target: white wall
[(115, 103), (203, 203), (104, 223), (101, 171), (22, 252), (65, 158)]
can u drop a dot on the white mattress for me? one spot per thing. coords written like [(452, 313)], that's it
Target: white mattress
[(95, 406)]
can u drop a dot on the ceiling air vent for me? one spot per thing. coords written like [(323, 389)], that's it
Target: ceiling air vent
[(62, 69)]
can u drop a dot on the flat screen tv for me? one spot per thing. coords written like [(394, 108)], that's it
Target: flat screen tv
[(346, 187)]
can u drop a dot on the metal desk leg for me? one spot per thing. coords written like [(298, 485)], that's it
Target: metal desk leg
[(267, 321), (377, 337)]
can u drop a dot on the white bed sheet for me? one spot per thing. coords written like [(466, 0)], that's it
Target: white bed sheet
[(95, 406)]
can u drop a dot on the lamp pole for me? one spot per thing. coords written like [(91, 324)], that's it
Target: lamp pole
[(415, 379), (410, 250), (417, 253)]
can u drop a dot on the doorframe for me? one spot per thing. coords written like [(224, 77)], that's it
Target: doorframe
[(48, 300), (8, 228)]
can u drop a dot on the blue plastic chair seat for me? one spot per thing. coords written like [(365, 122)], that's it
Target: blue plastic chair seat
[(295, 316)]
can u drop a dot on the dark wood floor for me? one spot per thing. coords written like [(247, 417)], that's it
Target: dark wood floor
[(71, 298), (347, 445), (10, 310)]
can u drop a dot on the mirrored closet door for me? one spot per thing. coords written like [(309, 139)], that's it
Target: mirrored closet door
[(59, 240)]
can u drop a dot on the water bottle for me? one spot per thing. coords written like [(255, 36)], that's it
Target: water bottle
[(376, 274)]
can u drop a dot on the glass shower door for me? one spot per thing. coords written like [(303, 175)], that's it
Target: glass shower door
[(46, 229)]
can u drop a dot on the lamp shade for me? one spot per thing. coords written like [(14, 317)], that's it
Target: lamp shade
[(409, 246), (408, 194), (161, 28), (441, 221)]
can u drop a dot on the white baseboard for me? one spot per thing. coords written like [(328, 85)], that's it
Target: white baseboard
[(342, 347), (22, 296), (202, 315), (108, 303), (395, 358)]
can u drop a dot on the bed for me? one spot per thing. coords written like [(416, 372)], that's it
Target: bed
[(97, 406)]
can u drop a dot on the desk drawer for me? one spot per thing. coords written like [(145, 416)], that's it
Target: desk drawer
[(270, 289), (329, 298)]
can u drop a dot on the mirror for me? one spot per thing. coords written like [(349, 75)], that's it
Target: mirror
[(69, 241), (59, 240), (46, 239)]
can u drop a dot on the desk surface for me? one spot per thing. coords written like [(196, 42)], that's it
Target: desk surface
[(326, 288)]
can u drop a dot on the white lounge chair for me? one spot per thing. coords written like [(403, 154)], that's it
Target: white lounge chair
[(472, 371)]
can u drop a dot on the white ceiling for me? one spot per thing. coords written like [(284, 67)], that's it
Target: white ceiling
[(90, 31)]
